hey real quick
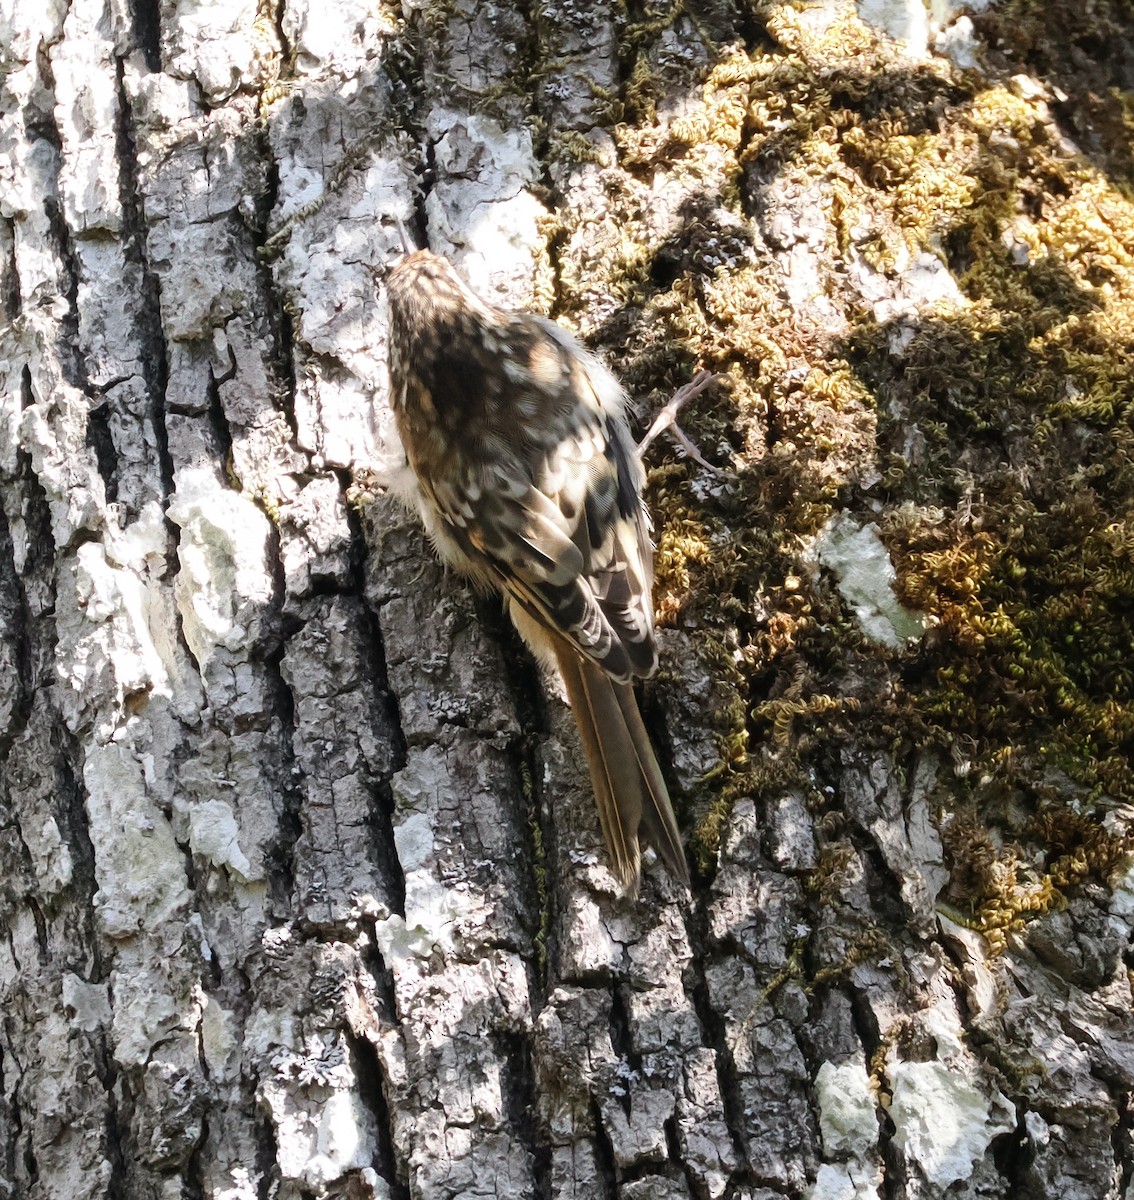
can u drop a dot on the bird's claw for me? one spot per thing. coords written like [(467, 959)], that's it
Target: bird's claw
[(667, 419)]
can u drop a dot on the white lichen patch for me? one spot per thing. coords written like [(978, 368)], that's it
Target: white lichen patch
[(343, 1141), (959, 43), (917, 282), (53, 432), (865, 576), (86, 108), (314, 536), (158, 101), (925, 283), (11, 382), (215, 835), (329, 266), (86, 1004), (340, 36), (138, 864), (432, 910), (145, 1010), (224, 585), (50, 855), (844, 1181), (242, 1185), (847, 1110), (413, 838), (219, 1041), (337, 314), (942, 1120), (906, 21), (116, 620), (319, 1136)]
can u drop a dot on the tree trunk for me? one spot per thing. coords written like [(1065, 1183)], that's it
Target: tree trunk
[(301, 885)]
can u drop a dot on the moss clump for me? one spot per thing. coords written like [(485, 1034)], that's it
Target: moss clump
[(1083, 55), (997, 888), (1012, 505), (988, 434)]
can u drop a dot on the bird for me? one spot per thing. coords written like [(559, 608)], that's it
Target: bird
[(529, 483)]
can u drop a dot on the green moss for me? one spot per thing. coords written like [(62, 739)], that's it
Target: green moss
[(996, 888), (990, 439), (1024, 402)]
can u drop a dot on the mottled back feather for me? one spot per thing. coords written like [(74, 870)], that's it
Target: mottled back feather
[(517, 436)]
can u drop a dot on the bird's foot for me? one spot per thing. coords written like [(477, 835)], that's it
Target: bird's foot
[(667, 419)]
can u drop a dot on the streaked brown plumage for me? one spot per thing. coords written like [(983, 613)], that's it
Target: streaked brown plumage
[(529, 482)]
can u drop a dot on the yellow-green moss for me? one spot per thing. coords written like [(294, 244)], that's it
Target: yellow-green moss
[(990, 439), (997, 889)]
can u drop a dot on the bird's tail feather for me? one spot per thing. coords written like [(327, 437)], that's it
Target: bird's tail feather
[(628, 784)]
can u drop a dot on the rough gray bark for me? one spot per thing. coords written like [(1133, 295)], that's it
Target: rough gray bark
[(301, 889)]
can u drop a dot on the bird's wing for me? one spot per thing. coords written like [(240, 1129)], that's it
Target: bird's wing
[(553, 509)]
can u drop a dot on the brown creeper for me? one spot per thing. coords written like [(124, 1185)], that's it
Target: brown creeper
[(528, 481)]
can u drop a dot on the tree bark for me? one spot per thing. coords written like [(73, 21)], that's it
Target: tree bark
[(301, 887)]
